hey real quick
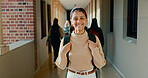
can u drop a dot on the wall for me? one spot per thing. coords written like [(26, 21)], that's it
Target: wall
[(42, 49), (1, 29), (17, 20), (18, 63), (105, 20), (129, 58), (59, 12), (96, 9), (93, 11), (90, 12), (22, 60)]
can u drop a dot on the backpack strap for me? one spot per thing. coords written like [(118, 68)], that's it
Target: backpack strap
[(65, 41), (92, 37)]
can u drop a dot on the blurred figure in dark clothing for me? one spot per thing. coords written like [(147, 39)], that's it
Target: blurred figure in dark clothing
[(67, 28), (94, 29), (56, 33)]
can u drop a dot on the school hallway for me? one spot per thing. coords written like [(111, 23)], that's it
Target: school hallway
[(25, 26)]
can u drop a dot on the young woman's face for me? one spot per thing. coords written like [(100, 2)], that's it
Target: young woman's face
[(78, 20)]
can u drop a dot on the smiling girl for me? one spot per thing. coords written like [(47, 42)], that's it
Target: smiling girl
[(81, 50)]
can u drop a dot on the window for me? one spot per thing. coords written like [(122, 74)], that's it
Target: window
[(111, 15), (49, 15), (132, 18), (43, 19)]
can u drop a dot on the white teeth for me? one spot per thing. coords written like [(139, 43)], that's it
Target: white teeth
[(79, 24)]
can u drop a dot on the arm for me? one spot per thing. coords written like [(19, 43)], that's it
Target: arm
[(47, 41), (61, 61), (61, 32), (97, 53)]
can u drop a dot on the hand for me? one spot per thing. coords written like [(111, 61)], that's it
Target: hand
[(66, 48), (92, 45)]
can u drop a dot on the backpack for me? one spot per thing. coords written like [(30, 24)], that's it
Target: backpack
[(55, 34), (67, 40), (98, 32), (94, 32)]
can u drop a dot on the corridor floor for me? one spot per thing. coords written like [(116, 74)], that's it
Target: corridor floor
[(48, 71)]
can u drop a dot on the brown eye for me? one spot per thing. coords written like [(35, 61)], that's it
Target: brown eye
[(81, 18), (75, 18)]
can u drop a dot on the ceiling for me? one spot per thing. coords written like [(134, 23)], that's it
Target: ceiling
[(69, 4)]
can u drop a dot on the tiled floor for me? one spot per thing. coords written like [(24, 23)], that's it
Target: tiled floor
[(48, 71)]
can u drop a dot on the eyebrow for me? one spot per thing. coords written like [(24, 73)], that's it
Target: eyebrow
[(82, 16), (77, 16)]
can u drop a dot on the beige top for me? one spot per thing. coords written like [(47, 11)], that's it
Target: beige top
[(80, 55)]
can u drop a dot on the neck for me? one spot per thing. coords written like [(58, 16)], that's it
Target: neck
[(79, 32)]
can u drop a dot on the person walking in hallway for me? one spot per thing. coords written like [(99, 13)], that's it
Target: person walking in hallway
[(81, 49), (55, 34), (94, 29), (67, 28)]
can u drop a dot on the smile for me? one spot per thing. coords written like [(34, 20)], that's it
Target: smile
[(79, 24)]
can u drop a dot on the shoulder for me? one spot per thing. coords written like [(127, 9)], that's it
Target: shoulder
[(100, 29), (60, 27)]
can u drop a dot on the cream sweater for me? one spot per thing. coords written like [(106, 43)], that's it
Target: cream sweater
[(80, 55)]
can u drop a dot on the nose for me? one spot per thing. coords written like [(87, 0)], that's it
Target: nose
[(78, 20)]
